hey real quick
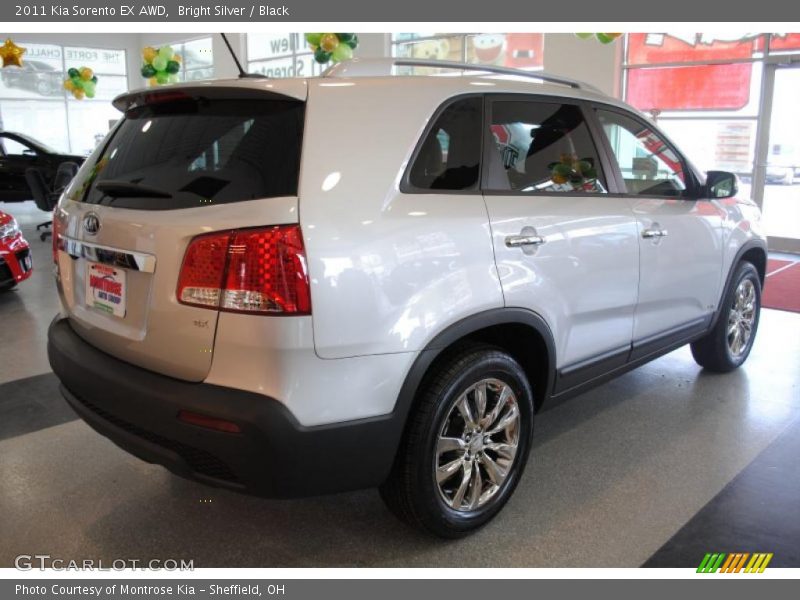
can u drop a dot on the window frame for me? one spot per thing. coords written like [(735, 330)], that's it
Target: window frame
[(406, 187), (694, 184), (589, 117)]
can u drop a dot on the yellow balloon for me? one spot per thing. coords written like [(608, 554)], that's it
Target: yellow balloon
[(153, 82), (149, 53), (78, 93), (328, 42), (86, 73), (177, 57), (68, 85)]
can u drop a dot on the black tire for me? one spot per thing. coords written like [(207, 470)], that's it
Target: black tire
[(411, 491), (7, 287), (713, 351)]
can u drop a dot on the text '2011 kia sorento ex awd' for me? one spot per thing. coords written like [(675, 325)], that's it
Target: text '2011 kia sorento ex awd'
[(307, 286)]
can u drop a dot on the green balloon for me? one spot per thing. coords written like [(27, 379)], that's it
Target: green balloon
[(162, 77), (604, 39), (173, 78), (159, 63), (73, 73), (345, 37), (584, 36), (353, 43), (94, 79), (342, 52), (173, 66), (148, 71), (88, 87), (313, 38), (321, 56), (166, 52)]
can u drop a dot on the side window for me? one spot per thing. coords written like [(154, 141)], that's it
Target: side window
[(12, 147), (648, 165), (449, 156), (541, 147)]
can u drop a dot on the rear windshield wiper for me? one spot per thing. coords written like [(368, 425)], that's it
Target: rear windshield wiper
[(126, 189)]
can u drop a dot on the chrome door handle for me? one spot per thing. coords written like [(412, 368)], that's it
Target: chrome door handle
[(654, 233), (520, 241)]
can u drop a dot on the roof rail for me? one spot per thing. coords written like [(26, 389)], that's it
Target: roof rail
[(364, 67)]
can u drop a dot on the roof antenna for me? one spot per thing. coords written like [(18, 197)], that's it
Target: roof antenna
[(242, 72)]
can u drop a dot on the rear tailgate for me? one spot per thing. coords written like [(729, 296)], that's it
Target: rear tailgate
[(183, 162)]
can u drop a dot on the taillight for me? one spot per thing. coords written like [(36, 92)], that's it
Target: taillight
[(261, 271)]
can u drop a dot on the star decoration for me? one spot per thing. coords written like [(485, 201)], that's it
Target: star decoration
[(11, 54)]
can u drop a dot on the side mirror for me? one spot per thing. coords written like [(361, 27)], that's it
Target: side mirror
[(29, 152), (721, 184)]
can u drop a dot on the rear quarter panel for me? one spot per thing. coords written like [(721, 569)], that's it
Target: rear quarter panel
[(389, 270)]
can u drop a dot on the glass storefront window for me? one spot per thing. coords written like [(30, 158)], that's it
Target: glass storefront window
[(32, 98), (198, 59), (280, 55)]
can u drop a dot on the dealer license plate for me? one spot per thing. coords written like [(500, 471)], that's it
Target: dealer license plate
[(105, 288)]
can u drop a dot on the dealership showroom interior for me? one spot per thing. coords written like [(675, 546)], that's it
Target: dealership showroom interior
[(416, 300)]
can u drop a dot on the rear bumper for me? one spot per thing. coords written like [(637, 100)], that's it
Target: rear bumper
[(273, 456)]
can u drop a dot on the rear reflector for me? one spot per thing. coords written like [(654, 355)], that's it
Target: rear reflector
[(194, 418), (261, 271)]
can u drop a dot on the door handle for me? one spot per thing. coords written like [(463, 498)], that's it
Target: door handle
[(521, 241), (654, 233)]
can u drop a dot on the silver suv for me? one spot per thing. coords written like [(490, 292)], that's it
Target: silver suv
[(314, 285)]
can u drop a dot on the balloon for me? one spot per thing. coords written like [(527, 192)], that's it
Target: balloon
[(82, 83), (173, 67), (313, 38), (177, 57), (166, 52), (584, 36), (342, 52), (162, 77), (149, 53), (148, 71), (353, 42), (159, 63), (152, 82), (328, 42), (345, 37), (173, 78), (11, 54), (321, 56)]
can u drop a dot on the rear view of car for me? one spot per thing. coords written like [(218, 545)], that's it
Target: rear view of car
[(16, 263)]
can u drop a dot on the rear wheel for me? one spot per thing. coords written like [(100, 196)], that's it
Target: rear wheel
[(728, 345), (466, 444), (8, 286)]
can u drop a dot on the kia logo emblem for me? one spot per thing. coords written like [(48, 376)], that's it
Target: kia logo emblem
[(91, 223)]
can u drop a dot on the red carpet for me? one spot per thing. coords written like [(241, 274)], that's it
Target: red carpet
[(782, 290)]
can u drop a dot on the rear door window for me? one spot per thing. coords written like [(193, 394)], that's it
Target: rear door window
[(198, 152), (540, 146)]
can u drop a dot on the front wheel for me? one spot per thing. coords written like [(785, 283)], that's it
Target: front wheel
[(729, 343), (465, 446)]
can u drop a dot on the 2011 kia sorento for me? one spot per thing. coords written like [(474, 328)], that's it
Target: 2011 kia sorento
[(306, 286)]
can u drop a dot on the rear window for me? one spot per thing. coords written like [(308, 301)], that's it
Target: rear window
[(198, 152)]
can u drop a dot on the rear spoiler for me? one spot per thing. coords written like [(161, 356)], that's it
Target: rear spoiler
[(239, 89)]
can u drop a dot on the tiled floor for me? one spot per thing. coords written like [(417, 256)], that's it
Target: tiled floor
[(614, 474)]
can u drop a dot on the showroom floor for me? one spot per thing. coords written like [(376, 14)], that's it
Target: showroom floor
[(658, 466)]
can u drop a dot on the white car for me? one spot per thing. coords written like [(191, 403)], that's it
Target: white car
[(305, 286)]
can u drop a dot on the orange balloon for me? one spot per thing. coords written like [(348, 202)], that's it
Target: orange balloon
[(329, 42), (11, 54)]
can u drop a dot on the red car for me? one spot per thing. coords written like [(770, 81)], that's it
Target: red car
[(15, 255)]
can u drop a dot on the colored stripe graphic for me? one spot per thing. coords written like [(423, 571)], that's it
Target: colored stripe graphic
[(734, 562)]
